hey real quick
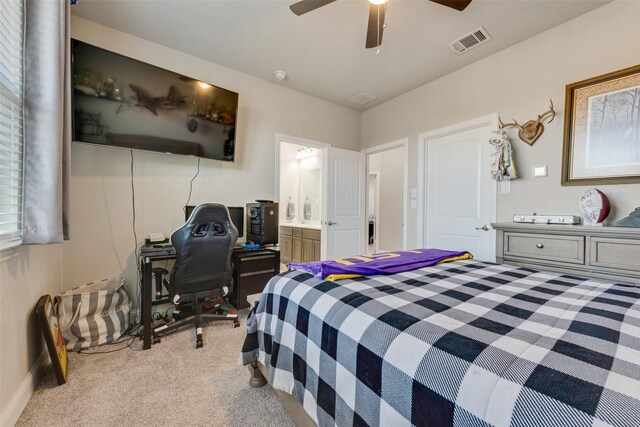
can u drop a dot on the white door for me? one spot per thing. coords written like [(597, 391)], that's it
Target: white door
[(461, 193), (343, 225)]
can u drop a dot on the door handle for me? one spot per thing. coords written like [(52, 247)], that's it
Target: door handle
[(331, 223), (483, 228)]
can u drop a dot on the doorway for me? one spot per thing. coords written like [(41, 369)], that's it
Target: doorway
[(321, 196), (300, 184), (299, 193), (458, 192), (373, 190), (387, 196)]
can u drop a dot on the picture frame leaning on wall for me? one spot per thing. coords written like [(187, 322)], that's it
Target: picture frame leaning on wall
[(48, 317), (602, 130)]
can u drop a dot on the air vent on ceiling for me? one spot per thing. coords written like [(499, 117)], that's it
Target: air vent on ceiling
[(362, 98), (469, 41)]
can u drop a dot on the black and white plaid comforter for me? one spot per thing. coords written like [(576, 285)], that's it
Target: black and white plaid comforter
[(464, 343)]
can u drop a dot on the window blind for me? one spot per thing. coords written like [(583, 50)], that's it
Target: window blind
[(11, 121)]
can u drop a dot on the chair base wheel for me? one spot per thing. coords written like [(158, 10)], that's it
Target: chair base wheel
[(156, 340), (236, 323), (199, 344)]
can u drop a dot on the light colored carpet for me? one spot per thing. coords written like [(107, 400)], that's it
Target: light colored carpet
[(172, 383)]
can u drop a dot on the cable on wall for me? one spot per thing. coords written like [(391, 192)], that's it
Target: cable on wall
[(133, 226), (191, 187)]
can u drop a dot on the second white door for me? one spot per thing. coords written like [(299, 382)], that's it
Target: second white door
[(460, 191)]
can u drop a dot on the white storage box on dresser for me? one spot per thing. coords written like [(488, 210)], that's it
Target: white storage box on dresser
[(611, 253)]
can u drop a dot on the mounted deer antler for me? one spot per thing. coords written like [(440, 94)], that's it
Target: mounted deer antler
[(531, 130)]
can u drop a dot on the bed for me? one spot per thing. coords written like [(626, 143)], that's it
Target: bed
[(464, 343)]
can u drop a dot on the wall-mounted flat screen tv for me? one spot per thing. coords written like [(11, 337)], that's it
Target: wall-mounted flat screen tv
[(122, 102)]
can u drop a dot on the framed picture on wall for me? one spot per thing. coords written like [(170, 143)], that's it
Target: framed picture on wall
[(602, 130)]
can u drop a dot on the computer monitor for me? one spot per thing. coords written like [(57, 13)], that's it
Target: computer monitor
[(237, 217), (236, 214)]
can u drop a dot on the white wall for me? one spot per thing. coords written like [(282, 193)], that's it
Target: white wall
[(26, 273), (390, 167), (517, 83), (102, 242)]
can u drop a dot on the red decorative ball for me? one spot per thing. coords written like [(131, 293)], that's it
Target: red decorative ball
[(594, 206)]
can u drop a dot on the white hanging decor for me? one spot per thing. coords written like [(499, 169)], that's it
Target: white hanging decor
[(503, 167)]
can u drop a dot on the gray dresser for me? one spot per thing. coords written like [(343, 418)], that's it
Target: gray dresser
[(604, 252)]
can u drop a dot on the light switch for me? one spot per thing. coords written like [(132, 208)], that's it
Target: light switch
[(540, 171), (414, 193), (414, 204)]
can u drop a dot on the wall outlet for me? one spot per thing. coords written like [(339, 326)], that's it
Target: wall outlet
[(505, 186), (414, 204), (134, 316), (414, 193)]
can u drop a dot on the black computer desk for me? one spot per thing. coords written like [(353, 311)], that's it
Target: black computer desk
[(252, 268)]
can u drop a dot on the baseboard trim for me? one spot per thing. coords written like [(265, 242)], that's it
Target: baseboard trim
[(9, 415)]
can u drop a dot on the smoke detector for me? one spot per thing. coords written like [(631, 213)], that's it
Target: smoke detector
[(280, 75), (469, 41)]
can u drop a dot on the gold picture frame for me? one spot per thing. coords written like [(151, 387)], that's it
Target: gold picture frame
[(602, 130)]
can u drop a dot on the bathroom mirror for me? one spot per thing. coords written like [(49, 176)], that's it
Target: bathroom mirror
[(310, 190)]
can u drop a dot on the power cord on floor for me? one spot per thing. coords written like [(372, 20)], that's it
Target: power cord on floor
[(129, 337)]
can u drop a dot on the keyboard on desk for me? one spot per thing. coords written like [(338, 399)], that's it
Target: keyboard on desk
[(154, 250)]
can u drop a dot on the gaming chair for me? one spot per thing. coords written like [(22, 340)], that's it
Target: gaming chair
[(202, 272)]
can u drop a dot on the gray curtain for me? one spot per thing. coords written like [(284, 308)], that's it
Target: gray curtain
[(47, 121)]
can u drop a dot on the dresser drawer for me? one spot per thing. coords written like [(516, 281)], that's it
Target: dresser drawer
[(297, 232), (567, 249), (615, 253), (262, 263)]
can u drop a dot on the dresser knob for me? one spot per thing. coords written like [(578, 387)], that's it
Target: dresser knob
[(539, 246)]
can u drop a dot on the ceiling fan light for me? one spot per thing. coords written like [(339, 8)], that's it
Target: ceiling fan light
[(377, 1)]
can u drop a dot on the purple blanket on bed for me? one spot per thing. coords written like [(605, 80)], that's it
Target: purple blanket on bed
[(382, 263)]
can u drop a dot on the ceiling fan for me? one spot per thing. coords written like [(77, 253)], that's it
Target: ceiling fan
[(377, 9)]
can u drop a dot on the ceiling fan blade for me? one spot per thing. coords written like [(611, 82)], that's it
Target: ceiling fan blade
[(305, 6), (376, 25), (454, 4)]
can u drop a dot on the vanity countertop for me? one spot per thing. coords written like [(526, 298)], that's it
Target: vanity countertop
[(298, 225)]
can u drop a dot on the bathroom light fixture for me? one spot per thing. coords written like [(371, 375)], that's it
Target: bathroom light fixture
[(280, 74), (304, 153)]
